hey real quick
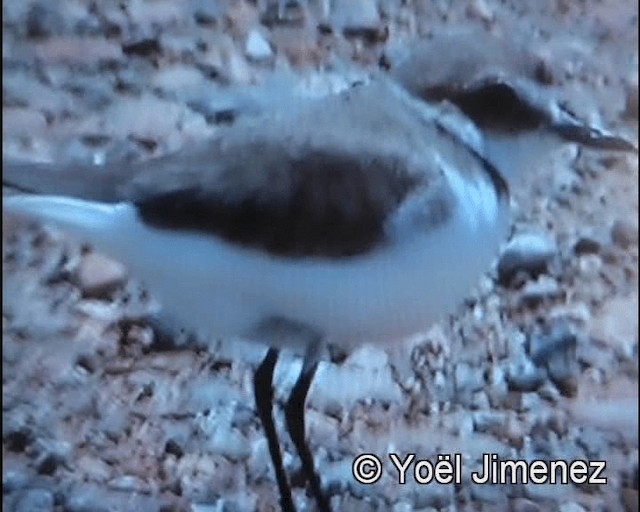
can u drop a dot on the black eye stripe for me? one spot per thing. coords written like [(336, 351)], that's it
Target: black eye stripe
[(499, 106)]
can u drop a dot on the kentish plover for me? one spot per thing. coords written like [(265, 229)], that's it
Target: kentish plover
[(354, 218)]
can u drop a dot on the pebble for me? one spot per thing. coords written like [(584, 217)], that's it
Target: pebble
[(557, 338), (556, 350), (530, 253), (468, 379), (98, 276), (13, 477), (497, 388), (355, 14), (486, 420), (144, 117), (257, 48), (545, 492), (96, 469), (571, 506), (35, 500), (524, 505), (359, 19), (631, 104), (23, 122), (616, 325), (128, 483), (490, 493), (77, 51), (44, 21), (587, 245), (629, 498), (624, 233), (438, 496), (536, 291), (524, 376), (480, 10), (593, 441)]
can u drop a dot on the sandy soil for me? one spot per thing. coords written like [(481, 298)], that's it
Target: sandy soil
[(98, 415)]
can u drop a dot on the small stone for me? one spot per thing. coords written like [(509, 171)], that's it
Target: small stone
[(94, 468), (545, 492), (23, 122), (289, 13), (530, 402), (35, 500), (480, 401), (616, 325), (497, 388), (77, 51), (468, 379), (355, 14), (484, 421), (556, 350), (587, 245), (524, 376), (43, 21), (98, 276), (48, 463), (631, 104), (624, 233), (590, 266), (257, 48), (13, 478), (571, 506), (87, 497), (359, 19), (490, 493), (545, 344), (128, 483), (536, 291), (458, 424), (479, 9), (629, 497), (524, 505), (172, 447), (529, 253), (402, 506)]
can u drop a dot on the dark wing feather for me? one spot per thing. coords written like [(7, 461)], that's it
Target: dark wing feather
[(335, 205)]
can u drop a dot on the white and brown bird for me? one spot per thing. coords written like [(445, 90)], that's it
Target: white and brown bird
[(359, 217)]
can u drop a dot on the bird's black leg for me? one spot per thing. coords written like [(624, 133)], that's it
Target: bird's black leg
[(263, 391), (294, 414)]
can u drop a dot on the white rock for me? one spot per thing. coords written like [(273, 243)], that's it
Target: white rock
[(526, 252), (355, 14), (257, 48), (571, 506), (98, 275), (479, 9)]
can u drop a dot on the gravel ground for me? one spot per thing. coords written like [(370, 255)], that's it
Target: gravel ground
[(99, 415)]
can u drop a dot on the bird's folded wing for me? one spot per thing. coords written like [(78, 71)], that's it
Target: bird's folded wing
[(320, 178)]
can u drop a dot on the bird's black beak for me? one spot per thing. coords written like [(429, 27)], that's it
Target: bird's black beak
[(571, 129)]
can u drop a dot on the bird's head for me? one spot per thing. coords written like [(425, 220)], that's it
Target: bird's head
[(504, 90), (520, 123)]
